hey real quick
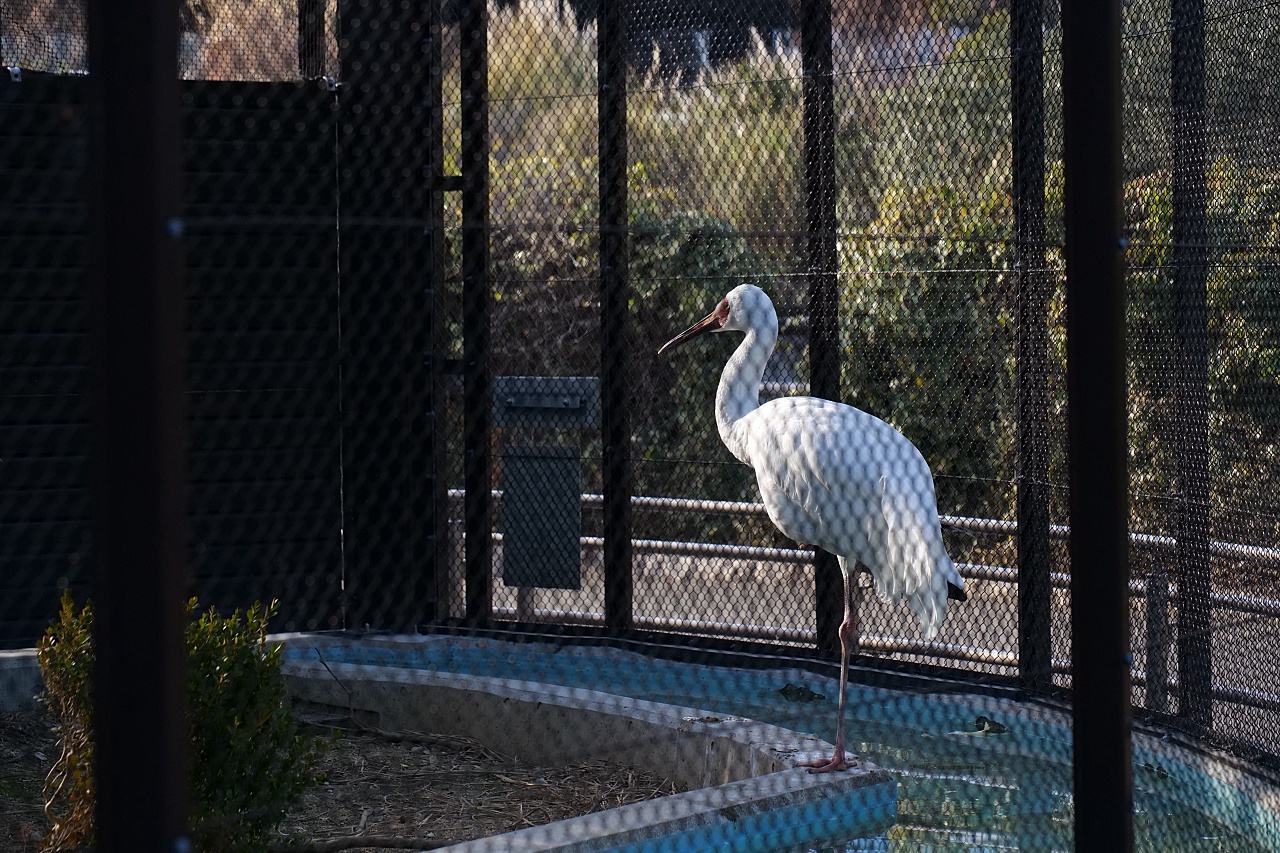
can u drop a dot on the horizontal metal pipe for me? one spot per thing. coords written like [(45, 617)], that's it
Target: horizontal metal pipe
[(1062, 580), (1144, 541), (1000, 574), (1232, 695), (747, 508), (708, 549), (1252, 698), (1241, 603), (704, 626), (1268, 607), (704, 549), (551, 614)]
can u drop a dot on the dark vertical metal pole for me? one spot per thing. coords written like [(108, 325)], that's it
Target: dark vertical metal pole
[(477, 299), (435, 156), (311, 39), (614, 300), (1026, 34), (384, 260), (139, 428), (820, 212), (1096, 399), (418, 521), (1191, 333)]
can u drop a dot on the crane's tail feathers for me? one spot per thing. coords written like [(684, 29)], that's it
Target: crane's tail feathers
[(929, 601)]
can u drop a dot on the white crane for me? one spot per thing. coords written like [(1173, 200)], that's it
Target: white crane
[(834, 477)]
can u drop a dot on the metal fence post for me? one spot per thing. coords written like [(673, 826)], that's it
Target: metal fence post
[(440, 377), (1026, 35), (824, 301), (138, 429), (1191, 333), (477, 299), (614, 299), (1097, 404), (385, 262)]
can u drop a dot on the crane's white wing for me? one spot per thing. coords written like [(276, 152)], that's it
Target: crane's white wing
[(845, 481)]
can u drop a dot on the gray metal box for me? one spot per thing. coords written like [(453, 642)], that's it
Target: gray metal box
[(541, 517)]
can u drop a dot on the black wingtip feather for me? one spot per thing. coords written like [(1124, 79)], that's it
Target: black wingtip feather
[(956, 592)]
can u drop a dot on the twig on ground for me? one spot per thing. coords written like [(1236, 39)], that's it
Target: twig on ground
[(410, 737), (349, 842)]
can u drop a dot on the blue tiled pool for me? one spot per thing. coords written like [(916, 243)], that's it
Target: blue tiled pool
[(958, 789)]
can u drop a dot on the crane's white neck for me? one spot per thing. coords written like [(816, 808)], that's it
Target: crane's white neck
[(739, 391)]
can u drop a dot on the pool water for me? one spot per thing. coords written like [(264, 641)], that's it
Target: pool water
[(962, 785)]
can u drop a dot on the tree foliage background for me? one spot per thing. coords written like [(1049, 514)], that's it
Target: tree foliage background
[(926, 261)]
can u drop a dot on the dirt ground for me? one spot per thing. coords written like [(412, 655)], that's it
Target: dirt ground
[(391, 787), (27, 751)]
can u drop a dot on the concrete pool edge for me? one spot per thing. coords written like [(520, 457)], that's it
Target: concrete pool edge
[(1243, 798), (20, 680), (778, 811), (746, 790)]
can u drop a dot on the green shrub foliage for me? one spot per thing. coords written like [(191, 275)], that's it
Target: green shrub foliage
[(65, 654), (927, 320), (249, 761)]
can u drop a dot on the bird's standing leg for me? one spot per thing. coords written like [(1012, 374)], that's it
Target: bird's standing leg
[(848, 635)]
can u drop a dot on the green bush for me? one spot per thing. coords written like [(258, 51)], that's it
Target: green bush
[(1243, 347), (65, 654), (927, 322), (249, 760), (681, 266)]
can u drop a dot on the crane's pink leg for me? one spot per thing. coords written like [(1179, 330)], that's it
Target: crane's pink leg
[(847, 634)]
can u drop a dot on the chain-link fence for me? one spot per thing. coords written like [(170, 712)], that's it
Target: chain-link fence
[(431, 252), (218, 40)]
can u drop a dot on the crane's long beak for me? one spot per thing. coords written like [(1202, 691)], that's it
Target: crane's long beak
[(709, 323)]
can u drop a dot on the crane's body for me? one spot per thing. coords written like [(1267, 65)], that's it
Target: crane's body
[(834, 477), (870, 503)]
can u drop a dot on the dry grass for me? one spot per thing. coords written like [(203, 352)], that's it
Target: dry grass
[(445, 790), (438, 789)]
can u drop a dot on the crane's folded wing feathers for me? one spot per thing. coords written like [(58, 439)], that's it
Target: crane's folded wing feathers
[(839, 478)]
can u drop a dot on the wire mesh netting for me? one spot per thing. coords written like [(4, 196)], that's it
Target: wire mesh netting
[(219, 40), (431, 253)]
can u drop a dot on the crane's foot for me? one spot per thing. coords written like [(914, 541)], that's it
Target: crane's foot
[(839, 761)]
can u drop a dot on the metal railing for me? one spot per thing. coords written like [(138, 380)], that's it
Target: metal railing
[(1002, 527), (1158, 647)]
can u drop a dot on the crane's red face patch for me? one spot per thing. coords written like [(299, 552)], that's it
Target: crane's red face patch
[(721, 313)]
